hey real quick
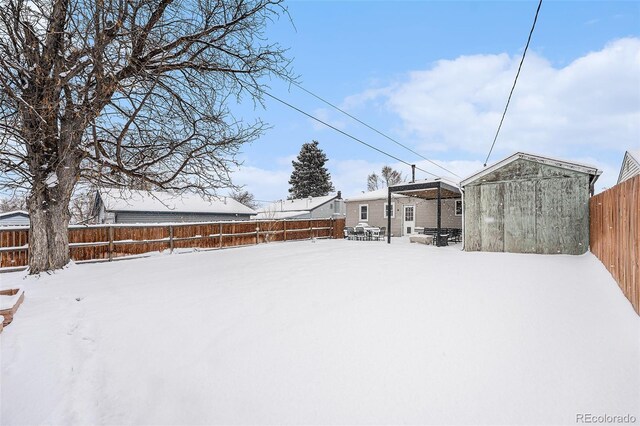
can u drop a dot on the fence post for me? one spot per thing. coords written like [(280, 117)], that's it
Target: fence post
[(171, 238), (257, 232), (110, 243), (284, 226), (220, 236)]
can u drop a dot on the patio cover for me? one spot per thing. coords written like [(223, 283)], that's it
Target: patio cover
[(435, 189)]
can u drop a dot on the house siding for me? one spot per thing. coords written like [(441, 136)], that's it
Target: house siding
[(629, 169), (17, 219), (151, 217), (426, 212), (528, 207), (328, 210)]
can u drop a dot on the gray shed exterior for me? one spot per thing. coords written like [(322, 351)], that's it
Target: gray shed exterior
[(528, 204)]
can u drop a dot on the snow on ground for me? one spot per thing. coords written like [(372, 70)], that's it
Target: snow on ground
[(333, 332)]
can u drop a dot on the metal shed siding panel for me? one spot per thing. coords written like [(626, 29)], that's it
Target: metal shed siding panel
[(146, 217), (520, 217), (471, 206), (492, 214)]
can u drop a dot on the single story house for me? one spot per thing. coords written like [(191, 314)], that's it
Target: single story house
[(132, 206), (630, 165), (529, 204), (305, 208), (14, 218), (407, 212)]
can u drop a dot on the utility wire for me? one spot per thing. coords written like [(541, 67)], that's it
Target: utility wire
[(372, 128), (535, 19), (345, 133)]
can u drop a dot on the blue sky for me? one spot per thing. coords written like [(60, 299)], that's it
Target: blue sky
[(435, 76)]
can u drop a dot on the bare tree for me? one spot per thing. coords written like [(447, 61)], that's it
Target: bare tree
[(14, 202), (125, 92), (388, 177), (391, 177), (244, 197), (373, 182), (81, 205)]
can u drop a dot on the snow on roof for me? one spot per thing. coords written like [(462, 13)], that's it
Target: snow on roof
[(280, 215), (635, 153), (378, 194), (158, 201), (14, 212), (571, 165), (298, 204)]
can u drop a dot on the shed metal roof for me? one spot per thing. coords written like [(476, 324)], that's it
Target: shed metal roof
[(298, 204), (569, 165)]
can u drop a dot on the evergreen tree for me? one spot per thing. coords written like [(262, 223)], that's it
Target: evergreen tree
[(309, 177)]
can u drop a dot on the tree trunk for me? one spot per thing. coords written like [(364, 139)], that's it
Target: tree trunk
[(48, 232)]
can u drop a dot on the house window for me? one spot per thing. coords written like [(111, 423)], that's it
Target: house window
[(458, 207), (364, 212), (393, 210)]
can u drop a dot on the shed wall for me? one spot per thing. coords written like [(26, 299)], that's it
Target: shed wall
[(528, 207)]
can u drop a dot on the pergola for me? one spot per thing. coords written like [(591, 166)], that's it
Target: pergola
[(428, 190)]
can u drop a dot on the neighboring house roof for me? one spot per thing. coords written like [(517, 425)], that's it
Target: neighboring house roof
[(630, 165), (158, 201), (378, 194), (14, 213), (298, 204), (281, 215), (569, 165)]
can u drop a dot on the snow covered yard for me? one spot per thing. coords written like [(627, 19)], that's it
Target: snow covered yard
[(332, 332)]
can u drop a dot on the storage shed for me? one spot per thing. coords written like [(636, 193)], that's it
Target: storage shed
[(528, 204)]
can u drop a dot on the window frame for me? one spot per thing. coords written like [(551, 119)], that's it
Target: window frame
[(366, 219), (393, 210), (455, 208)]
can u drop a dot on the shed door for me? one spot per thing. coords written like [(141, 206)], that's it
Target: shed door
[(409, 219)]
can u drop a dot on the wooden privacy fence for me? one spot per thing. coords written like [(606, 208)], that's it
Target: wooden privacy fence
[(106, 242), (615, 235)]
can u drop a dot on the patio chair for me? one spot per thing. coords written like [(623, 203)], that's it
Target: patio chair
[(382, 234), (348, 232), (359, 233)]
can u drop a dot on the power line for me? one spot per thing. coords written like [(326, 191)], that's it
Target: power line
[(345, 133), (535, 19), (372, 128)]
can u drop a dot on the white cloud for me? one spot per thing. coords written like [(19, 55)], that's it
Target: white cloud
[(592, 103), (329, 118)]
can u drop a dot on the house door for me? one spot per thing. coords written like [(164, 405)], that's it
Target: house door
[(409, 219)]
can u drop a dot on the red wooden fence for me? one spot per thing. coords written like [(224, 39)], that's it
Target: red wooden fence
[(106, 242), (615, 235)]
